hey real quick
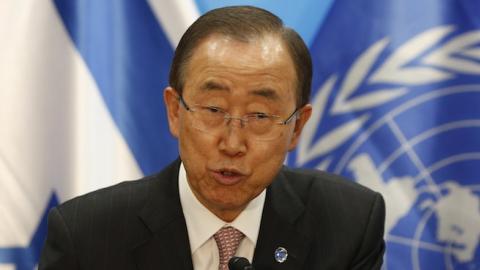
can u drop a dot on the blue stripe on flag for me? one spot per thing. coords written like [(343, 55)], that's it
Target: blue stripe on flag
[(25, 258), (129, 56)]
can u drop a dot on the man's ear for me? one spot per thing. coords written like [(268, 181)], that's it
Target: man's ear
[(170, 97), (302, 119)]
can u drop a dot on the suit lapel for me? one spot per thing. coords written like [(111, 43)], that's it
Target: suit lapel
[(167, 245), (281, 212)]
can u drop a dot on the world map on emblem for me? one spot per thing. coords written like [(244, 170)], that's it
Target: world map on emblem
[(396, 98), (432, 199), (427, 170)]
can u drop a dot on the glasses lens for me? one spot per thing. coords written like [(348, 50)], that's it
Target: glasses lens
[(208, 118), (213, 121), (211, 117), (261, 126)]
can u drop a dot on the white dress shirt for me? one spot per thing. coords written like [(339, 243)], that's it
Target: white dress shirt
[(203, 224)]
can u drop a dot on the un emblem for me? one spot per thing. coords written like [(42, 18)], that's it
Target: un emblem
[(428, 173), (417, 142)]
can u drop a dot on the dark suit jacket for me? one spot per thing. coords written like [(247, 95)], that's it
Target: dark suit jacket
[(324, 222)]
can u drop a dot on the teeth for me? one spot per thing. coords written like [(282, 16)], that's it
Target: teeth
[(227, 173)]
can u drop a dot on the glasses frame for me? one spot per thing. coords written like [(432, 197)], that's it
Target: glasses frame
[(227, 117)]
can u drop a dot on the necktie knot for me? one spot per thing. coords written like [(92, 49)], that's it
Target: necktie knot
[(228, 239)]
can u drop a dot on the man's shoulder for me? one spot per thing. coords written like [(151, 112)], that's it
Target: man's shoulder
[(342, 217), (124, 197), (321, 191), (138, 186), (127, 195), (311, 180)]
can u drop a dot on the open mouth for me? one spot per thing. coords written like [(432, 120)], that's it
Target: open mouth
[(227, 176), (228, 173)]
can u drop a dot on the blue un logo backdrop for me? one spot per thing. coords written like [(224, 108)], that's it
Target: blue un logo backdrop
[(397, 96)]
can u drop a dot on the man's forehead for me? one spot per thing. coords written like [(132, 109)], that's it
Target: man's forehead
[(264, 41), (268, 51), (265, 55)]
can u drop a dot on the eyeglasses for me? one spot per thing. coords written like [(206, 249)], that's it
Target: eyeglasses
[(259, 126)]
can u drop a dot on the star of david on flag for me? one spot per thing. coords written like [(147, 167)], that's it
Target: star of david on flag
[(396, 92)]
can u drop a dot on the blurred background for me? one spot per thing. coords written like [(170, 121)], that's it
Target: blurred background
[(396, 97)]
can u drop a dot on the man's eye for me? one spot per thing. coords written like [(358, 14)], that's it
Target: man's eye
[(260, 116), (212, 109)]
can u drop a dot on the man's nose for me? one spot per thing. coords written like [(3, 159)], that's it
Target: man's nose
[(233, 140)]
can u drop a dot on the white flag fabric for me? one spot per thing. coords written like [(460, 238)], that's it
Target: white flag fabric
[(64, 116)]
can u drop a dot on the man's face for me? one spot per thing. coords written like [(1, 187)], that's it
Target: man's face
[(226, 169)]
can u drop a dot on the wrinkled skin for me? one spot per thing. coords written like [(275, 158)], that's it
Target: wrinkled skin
[(241, 78)]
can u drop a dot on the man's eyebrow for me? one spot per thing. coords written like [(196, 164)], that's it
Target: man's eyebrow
[(262, 92), (266, 92), (211, 85)]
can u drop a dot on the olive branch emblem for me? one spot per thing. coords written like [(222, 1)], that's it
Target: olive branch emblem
[(432, 56)]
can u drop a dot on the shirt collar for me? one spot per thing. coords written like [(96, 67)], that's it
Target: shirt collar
[(203, 224)]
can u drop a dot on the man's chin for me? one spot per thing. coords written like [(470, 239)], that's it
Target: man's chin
[(228, 208)]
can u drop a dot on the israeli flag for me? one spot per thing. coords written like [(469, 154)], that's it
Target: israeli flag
[(396, 97), (81, 85)]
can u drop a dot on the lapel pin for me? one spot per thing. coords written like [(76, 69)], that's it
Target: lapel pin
[(280, 254)]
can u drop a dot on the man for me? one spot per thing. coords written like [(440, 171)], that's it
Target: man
[(237, 102)]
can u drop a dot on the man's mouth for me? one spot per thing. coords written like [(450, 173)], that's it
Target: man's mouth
[(227, 176), (228, 173)]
